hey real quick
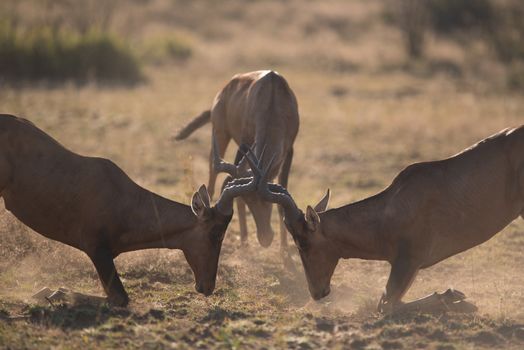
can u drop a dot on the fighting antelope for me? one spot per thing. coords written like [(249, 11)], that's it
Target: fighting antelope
[(431, 211), (253, 108), (91, 204)]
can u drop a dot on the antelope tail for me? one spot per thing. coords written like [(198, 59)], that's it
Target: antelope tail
[(196, 123)]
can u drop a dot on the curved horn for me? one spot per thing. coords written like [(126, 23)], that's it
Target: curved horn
[(221, 166), (238, 187), (275, 193), (270, 192)]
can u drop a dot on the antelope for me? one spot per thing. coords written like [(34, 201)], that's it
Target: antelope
[(253, 108), (91, 204), (431, 211)]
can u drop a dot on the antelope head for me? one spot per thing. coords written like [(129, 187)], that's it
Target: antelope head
[(203, 249), (261, 209), (316, 250)]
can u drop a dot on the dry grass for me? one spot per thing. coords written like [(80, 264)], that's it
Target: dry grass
[(364, 118)]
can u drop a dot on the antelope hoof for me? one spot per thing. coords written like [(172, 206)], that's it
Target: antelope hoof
[(64, 295), (206, 289), (265, 238), (321, 294), (42, 294), (118, 300), (384, 306), (453, 296), (450, 300), (59, 296), (46, 294)]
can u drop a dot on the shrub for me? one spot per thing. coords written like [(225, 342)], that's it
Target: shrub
[(447, 16), (45, 54), (498, 23), (507, 34), (163, 49), (412, 21)]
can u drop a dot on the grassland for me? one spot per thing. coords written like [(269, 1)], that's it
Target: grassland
[(365, 114)]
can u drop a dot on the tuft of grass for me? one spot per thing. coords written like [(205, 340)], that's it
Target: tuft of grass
[(225, 335)]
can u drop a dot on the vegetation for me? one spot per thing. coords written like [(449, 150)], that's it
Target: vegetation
[(497, 23), (42, 54), (412, 21), (74, 41), (452, 16), (166, 49)]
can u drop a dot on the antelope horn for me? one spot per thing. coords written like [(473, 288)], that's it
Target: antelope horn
[(256, 163), (250, 157), (219, 164), (262, 155), (270, 192), (245, 149), (265, 172), (277, 194), (238, 187)]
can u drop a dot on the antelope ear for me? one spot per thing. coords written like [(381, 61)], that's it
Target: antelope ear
[(312, 219), (323, 203), (204, 195), (198, 206)]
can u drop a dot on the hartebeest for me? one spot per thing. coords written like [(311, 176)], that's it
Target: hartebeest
[(253, 108), (431, 211), (91, 204)]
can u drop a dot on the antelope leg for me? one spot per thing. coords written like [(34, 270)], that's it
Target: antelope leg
[(103, 261), (403, 272), (450, 300), (242, 221)]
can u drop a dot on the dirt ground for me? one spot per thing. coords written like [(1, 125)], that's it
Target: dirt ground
[(365, 115)]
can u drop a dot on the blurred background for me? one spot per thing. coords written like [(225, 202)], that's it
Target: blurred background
[(380, 84), (476, 42)]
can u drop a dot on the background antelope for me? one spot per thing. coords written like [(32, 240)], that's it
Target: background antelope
[(92, 205), (253, 108), (431, 211)]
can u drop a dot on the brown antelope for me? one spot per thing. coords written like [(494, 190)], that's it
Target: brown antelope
[(253, 108), (92, 205), (431, 211)]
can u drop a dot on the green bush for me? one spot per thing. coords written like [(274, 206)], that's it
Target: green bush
[(44, 54), (447, 16), (163, 49)]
